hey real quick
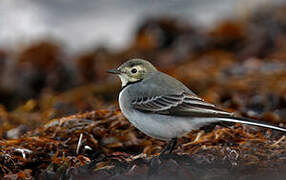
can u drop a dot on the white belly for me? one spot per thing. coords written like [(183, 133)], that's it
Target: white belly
[(156, 125)]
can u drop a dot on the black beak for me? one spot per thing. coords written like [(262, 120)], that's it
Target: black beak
[(114, 71)]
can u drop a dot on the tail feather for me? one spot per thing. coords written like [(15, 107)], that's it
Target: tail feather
[(252, 122)]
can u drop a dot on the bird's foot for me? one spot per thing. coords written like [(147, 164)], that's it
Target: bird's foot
[(168, 149), (156, 161)]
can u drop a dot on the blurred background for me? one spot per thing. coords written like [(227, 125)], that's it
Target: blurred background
[(53, 60), (109, 23), (54, 54)]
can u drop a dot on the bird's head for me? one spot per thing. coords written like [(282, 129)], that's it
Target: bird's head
[(133, 70)]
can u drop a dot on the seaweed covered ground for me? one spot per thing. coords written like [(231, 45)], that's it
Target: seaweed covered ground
[(59, 118)]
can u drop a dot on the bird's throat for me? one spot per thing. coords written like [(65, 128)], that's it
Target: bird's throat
[(129, 83)]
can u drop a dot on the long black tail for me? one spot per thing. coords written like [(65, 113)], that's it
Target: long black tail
[(252, 122)]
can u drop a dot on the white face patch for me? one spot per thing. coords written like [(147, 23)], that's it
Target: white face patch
[(124, 79), (130, 74)]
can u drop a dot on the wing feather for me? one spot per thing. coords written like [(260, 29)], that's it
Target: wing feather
[(183, 104)]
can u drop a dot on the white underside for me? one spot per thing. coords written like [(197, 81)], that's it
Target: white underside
[(160, 126), (163, 128)]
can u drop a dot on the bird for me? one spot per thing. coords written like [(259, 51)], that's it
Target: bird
[(164, 108)]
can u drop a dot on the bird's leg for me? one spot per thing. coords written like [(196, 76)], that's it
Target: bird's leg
[(169, 147), (156, 161)]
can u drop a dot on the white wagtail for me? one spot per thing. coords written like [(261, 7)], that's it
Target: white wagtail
[(163, 107)]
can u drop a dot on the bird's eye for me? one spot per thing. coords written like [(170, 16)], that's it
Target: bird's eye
[(134, 70)]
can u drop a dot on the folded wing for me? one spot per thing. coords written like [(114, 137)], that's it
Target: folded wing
[(183, 104)]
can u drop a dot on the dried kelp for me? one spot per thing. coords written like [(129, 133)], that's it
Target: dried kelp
[(240, 65)]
